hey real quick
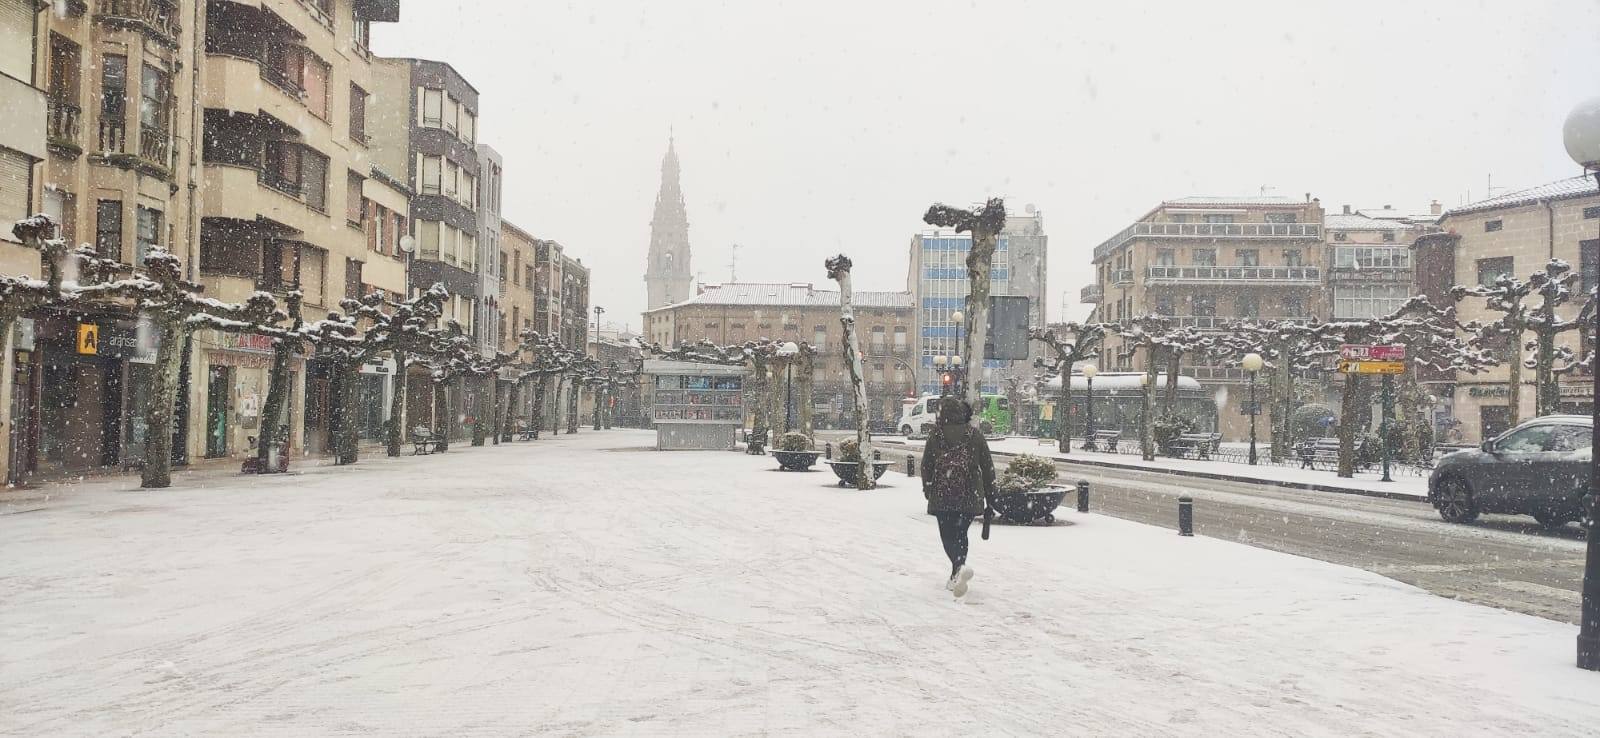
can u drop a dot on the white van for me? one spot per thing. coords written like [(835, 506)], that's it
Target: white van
[(918, 415)]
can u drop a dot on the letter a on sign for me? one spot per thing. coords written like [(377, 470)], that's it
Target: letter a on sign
[(88, 338)]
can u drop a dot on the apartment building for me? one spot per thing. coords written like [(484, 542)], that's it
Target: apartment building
[(293, 199), (1207, 261), (491, 313), (738, 312), (937, 280), (518, 249), (1517, 234), (23, 121)]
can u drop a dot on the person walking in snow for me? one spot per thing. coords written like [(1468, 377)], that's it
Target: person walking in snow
[(957, 479)]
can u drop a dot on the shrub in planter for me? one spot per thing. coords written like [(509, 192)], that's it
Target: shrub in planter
[(794, 441), (1312, 420), (1369, 449), (1026, 473), (849, 450)]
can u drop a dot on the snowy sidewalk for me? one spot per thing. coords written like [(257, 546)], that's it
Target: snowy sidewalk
[(1370, 483), (583, 585)]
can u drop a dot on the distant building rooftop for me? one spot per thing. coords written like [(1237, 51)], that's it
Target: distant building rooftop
[(1231, 201), (797, 294), (1561, 189), (1362, 223)]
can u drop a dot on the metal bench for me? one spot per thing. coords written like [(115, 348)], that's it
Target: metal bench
[(1199, 445), (525, 430), (1103, 440), (1319, 451), (423, 440)]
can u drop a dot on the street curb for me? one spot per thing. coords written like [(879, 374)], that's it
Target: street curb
[(1221, 477)]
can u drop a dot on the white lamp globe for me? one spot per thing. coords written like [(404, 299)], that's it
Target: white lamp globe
[(939, 361), (1089, 370), (955, 360), (957, 316), (1252, 362), (1581, 133), (788, 348)]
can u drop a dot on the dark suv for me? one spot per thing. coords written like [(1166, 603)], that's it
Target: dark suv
[(1539, 468)]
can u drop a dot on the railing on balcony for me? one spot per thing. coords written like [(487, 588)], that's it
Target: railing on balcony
[(281, 183), (66, 123), (155, 16), (1091, 293), (281, 80), (1224, 274), (1121, 277), (155, 146), (1217, 322), (1210, 230), (113, 136)]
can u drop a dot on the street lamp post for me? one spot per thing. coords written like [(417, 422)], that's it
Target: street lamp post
[(958, 317), (1089, 370), (1581, 134), (1252, 364), (959, 374), (939, 363), (1147, 450), (788, 350)]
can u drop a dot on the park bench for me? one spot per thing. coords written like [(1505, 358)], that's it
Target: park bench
[(755, 441), (525, 430), (1197, 445), (423, 440), (1323, 451), (1105, 440)]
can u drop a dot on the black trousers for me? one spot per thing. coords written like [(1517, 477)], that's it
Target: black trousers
[(953, 532)]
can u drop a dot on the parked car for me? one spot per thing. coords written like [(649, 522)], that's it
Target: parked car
[(1539, 468), (919, 415)]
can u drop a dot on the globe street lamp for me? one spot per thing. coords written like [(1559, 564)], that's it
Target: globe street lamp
[(1581, 134), (1252, 364), (787, 351), (958, 318), (959, 374), (939, 363), (1089, 370)]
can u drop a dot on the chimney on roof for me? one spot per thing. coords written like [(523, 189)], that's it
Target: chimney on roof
[(1347, 210), (1388, 207), (1434, 208), (1308, 197)]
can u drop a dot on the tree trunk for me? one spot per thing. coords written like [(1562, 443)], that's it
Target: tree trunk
[(757, 397), (513, 404), (346, 432), (536, 413), (1514, 390), (1169, 403), (158, 415), (573, 393), (1147, 426), (979, 261), (804, 379), (852, 355), (445, 412), (271, 438), (482, 406), (1283, 392), (1548, 399), (599, 401), (555, 406), (395, 432), (1064, 413), (1349, 407)]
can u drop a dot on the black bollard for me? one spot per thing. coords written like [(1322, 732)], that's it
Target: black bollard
[(827, 450), (1083, 496), (877, 455), (1186, 516), (911, 465)]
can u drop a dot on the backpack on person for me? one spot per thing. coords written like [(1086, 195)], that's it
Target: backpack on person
[(952, 474)]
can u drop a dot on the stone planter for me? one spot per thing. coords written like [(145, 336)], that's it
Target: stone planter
[(846, 471), (1029, 508), (796, 460)]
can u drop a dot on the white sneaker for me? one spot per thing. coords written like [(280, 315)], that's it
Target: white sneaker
[(959, 581), (950, 584)]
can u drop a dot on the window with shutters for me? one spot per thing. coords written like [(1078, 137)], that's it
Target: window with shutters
[(280, 265), (358, 115), (314, 178), (113, 102), (428, 239), (149, 234), (352, 279), (281, 168), (16, 184), (312, 273), (16, 59), (433, 108), (353, 210), (315, 82), (430, 175), (108, 229)]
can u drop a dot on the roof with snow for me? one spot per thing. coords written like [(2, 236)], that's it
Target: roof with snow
[(796, 294), (1561, 189), (1108, 381), (1231, 200), (1361, 223)]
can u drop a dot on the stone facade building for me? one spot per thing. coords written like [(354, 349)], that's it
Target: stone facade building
[(1517, 234), (735, 313), (1206, 261), (667, 274)]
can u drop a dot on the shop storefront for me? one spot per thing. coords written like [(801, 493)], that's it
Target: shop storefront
[(235, 376), (80, 387)]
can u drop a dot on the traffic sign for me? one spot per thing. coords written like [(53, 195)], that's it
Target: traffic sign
[(1365, 352), (1371, 367)]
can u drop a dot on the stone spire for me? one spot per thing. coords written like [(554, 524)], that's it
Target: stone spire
[(667, 276)]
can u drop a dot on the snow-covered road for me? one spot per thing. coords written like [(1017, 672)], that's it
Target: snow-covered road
[(583, 585)]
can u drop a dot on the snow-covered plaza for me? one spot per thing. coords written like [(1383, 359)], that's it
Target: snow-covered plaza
[(585, 585)]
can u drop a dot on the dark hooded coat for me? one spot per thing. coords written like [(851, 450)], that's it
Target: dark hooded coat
[(954, 429)]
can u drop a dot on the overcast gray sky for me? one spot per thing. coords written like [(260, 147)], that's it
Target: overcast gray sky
[(809, 128)]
